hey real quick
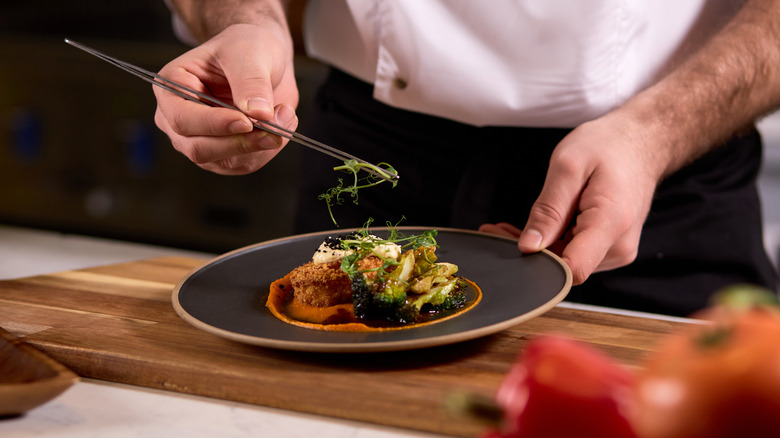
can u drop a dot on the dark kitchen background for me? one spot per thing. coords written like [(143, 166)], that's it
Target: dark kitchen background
[(79, 151)]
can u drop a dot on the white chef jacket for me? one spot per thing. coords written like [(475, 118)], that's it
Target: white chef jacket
[(544, 63)]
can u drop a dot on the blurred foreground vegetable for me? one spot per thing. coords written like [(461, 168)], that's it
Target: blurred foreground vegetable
[(563, 388), (717, 379)]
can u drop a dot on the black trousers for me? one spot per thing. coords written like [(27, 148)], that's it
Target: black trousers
[(703, 232)]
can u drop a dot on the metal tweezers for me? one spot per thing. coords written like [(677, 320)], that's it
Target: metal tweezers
[(204, 99)]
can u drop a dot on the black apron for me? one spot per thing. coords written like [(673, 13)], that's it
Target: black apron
[(703, 232)]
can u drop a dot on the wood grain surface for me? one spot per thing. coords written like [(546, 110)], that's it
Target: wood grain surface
[(117, 323)]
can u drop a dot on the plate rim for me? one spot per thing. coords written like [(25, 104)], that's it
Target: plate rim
[(357, 347)]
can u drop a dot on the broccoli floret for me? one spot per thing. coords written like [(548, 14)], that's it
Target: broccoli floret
[(389, 299), (385, 298), (454, 300), (387, 302), (445, 296), (362, 296)]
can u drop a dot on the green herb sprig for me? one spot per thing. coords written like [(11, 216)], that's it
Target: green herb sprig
[(333, 196), (364, 244)]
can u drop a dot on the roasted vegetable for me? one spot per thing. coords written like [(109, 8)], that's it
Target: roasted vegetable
[(386, 303), (445, 295), (404, 286), (416, 285)]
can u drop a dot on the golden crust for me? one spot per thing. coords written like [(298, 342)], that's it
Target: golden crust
[(325, 284), (321, 284), (370, 264)]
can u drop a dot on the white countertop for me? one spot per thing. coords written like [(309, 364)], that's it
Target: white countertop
[(101, 409), (94, 408)]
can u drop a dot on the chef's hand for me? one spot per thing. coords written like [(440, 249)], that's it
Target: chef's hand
[(247, 65), (604, 173), (602, 177)]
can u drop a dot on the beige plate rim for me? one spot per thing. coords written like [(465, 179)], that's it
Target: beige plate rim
[(352, 347)]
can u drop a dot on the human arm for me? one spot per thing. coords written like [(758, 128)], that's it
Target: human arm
[(246, 59), (604, 173)]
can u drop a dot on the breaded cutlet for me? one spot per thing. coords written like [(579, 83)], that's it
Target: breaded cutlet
[(325, 284)]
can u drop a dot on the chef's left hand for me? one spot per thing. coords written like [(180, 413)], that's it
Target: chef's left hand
[(602, 176)]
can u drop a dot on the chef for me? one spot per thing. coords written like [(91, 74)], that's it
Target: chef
[(619, 134)]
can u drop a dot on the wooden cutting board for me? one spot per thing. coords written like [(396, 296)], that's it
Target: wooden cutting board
[(117, 323)]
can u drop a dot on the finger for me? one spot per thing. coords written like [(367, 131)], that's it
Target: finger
[(187, 118), (586, 251), (601, 240), (241, 165), (203, 150), (551, 214), (250, 82), (285, 116), (207, 149)]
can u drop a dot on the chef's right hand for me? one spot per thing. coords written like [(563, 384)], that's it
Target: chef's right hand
[(247, 65)]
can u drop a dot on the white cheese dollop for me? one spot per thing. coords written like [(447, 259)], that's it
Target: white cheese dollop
[(388, 251), (326, 253)]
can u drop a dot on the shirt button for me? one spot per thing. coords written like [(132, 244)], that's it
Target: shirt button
[(400, 83)]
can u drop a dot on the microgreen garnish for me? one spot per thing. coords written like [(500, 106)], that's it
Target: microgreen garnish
[(362, 243), (333, 196)]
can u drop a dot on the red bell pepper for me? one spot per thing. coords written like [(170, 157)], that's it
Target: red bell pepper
[(562, 388)]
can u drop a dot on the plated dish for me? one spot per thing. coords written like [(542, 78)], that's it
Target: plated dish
[(227, 296)]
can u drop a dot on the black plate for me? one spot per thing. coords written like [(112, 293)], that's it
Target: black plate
[(227, 296)]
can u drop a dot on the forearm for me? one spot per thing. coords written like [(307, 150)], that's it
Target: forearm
[(205, 19), (723, 87)]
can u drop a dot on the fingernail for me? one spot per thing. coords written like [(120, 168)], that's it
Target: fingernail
[(285, 115), (267, 142), (239, 127), (530, 239), (258, 104)]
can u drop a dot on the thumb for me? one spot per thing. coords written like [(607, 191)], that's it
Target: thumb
[(251, 88), (259, 108), (550, 215), (255, 97)]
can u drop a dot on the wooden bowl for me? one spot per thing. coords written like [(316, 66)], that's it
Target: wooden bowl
[(28, 378)]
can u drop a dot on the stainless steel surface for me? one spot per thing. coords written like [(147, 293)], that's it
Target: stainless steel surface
[(204, 99)]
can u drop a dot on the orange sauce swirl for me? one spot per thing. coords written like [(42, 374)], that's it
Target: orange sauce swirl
[(341, 317)]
